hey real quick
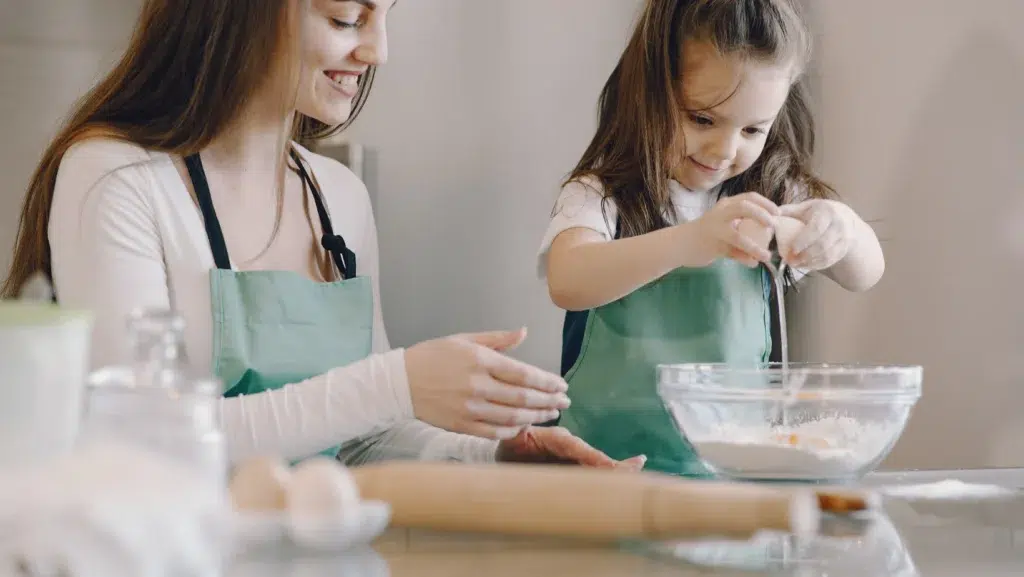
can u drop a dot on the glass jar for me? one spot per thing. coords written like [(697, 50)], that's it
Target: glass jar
[(158, 402)]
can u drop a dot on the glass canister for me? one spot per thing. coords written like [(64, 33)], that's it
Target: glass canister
[(158, 402)]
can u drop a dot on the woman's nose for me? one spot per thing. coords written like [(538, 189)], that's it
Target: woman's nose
[(373, 49)]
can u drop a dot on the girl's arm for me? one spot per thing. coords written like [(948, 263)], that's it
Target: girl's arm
[(585, 269)]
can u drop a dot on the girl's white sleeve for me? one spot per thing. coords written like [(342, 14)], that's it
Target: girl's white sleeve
[(107, 257), (580, 204)]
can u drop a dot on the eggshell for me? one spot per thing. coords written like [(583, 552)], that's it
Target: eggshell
[(786, 230), (260, 484)]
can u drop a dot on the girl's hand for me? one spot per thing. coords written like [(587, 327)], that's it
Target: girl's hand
[(826, 237), (719, 233)]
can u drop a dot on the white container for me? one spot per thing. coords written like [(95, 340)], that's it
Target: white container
[(158, 402), (181, 425), (44, 359)]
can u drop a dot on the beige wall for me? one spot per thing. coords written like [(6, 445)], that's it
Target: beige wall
[(51, 51), (475, 124), (922, 122), (921, 127), (467, 114)]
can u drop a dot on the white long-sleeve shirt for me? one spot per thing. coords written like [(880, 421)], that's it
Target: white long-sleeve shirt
[(125, 233)]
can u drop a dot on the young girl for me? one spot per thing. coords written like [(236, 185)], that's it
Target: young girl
[(704, 124)]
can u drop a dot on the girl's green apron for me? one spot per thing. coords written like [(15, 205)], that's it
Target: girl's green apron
[(272, 328), (719, 313)]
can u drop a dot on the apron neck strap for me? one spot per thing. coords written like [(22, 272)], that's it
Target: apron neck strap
[(213, 231), (344, 258), (334, 244)]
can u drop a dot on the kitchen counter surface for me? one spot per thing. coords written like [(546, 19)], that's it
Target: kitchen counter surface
[(933, 539)]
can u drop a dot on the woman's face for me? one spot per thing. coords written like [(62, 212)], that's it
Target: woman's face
[(340, 40)]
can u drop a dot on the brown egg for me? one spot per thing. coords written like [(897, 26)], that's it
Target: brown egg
[(260, 484)]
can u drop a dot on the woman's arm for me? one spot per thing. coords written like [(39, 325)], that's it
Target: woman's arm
[(371, 268), (416, 440)]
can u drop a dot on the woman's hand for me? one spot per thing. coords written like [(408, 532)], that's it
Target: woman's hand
[(557, 445), (464, 384), (718, 232)]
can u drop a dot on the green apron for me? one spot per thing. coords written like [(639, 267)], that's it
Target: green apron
[(272, 328), (719, 313)]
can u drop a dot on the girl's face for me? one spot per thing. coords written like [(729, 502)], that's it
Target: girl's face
[(731, 104), (340, 40)]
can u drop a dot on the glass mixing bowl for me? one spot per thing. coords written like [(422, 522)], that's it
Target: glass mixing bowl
[(830, 423)]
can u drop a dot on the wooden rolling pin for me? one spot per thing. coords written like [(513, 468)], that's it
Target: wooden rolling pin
[(578, 502)]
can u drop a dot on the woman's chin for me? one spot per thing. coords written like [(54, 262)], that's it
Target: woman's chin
[(331, 114)]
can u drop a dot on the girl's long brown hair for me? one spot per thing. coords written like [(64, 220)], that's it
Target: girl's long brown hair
[(639, 137), (190, 68)]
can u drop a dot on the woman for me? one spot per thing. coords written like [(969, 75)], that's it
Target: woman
[(176, 184)]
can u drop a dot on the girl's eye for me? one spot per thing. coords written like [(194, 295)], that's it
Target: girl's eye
[(753, 130)]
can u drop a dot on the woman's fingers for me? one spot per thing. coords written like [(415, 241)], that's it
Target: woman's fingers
[(505, 416), (493, 390), (520, 374)]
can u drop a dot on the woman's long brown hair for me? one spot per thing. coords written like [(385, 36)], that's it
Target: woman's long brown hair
[(639, 138), (190, 68)]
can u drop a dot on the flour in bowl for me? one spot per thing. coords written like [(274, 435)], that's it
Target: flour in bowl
[(826, 448)]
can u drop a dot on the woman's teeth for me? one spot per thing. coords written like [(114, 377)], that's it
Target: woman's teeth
[(346, 82)]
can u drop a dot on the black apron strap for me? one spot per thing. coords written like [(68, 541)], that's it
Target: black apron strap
[(213, 231), (343, 256)]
